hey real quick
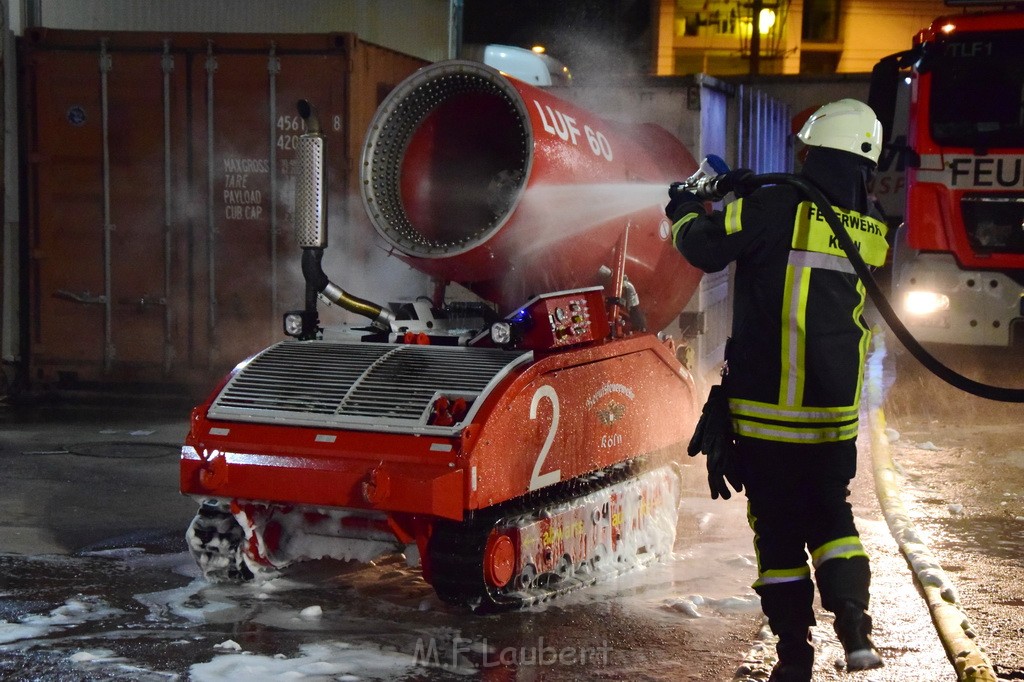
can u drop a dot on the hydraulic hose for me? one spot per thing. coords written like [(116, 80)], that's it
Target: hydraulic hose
[(930, 362), (318, 283)]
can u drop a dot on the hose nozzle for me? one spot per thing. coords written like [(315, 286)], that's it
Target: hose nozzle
[(713, 180), (704, 183)]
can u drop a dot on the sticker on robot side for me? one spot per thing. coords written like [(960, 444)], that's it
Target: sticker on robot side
[(610, 404)]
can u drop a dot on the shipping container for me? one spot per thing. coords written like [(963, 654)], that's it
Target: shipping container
[(424, 28), (157, 208)]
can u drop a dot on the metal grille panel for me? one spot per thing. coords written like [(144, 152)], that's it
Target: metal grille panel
[(366, 386), (993, 223)]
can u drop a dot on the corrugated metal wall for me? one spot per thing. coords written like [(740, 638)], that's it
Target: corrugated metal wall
[(417, 27), (763, 132)]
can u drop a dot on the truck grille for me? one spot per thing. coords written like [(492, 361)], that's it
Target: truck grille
[(365, 386), (994, 224)]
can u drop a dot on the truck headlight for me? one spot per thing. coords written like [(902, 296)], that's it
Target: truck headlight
[(925, 302)]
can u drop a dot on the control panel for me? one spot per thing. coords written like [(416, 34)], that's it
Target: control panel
[(565, 318)]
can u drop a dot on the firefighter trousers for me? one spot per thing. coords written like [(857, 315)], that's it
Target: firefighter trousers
[(797, 504)]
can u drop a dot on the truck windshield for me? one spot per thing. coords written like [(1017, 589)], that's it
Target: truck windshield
[(977, 97)]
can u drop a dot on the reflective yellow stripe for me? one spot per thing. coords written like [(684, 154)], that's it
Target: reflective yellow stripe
[(799, 330), (751, 408), (865, 337), (774, 576), (787, 319), (795, 424), (679, 224), (732, 217), (794, 434), (823, 261), (752, 521), (841, 548), (812, 233), (794, 316)]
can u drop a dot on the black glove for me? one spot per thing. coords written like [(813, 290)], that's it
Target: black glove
[(739, 182), (713, 436), (681, 202)]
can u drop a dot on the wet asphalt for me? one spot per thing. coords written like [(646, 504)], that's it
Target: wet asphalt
[(91, 523)]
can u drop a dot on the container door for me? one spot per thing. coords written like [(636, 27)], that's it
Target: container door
[(99, 234), (246, 127), (65, 207), (108, 264), (146, 123)]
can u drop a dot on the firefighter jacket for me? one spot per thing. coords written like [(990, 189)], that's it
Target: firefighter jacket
[(796, 357)]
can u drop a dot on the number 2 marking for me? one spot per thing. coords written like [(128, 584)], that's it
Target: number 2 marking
[(537, 480)]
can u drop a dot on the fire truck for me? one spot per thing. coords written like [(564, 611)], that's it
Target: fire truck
[(958, 258)]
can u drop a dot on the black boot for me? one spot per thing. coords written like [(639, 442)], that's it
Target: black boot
[(796, 657), (790, 610), (853, 627)]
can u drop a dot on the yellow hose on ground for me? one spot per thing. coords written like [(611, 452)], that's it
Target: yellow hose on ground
[(952, 624)]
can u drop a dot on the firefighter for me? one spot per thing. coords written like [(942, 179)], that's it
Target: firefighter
[(783, 423)]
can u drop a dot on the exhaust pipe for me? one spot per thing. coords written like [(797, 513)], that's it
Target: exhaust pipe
[(310, 197), (474, 177), (311, 235)]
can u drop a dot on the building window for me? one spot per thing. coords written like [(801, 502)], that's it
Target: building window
[(707, 17), (818, 63), (821, 21), (730, 24)]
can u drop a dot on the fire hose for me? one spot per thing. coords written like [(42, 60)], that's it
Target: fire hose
[(714, 187)]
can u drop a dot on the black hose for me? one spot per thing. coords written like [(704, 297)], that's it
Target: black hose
[(316, 281), (930, 362), (313, 273)]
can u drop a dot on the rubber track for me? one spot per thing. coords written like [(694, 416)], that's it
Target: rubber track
[(456, 548)]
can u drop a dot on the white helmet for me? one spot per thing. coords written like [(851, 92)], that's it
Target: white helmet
[(847, 124)]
